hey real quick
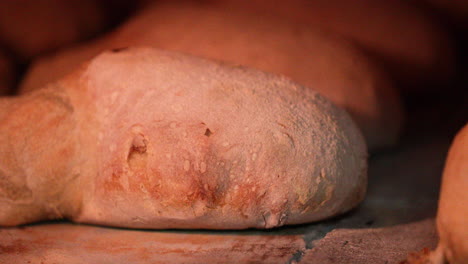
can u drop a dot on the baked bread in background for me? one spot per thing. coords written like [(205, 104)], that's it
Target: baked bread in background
[(322, 61), (30, 28), (416, 49)]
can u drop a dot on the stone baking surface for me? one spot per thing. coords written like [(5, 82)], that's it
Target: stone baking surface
[(395, 219)]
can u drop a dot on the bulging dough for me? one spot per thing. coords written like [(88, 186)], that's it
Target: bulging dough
[(452, 215), (166, 140)]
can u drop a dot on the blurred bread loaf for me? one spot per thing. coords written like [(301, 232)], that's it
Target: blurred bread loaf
[(322, 61)]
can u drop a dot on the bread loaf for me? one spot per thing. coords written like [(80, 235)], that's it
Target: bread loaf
[(416, 49), (145, 138), (30, 28), (326, 63), (452, 215)]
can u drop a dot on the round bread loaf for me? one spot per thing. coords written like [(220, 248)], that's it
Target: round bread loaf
[(154, 139), (187, 143), (416, 49), (326, 63), (452, 215)]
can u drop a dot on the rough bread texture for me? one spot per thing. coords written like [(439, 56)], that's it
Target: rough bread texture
[(415, 48), (326, 63), (452, 215), (29, 28), (146, 138)]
